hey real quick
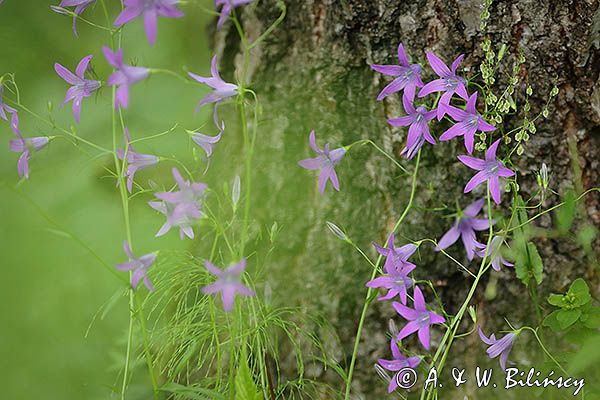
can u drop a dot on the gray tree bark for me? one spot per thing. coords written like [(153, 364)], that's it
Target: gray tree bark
[(313, 73)]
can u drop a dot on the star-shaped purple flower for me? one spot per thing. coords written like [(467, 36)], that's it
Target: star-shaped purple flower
[(418, 131), (398, 363), (490, 170), (326, 161), (420, 319), (135, 161), (406, 76), (228, 283), (495, 253), (449, 82), (221, 89), (26, 146), (228, 5), (464, 227), (80, 87), (498, 347), (396, 280), (80, 6), (182, 208), (139, 266), (150, 9), (124, 76), (5, 108), (395, 257), (468, 123)]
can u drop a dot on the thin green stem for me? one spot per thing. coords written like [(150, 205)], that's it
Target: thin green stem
[(368, 297)]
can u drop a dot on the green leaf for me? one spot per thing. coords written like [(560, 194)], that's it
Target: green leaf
[(552, 322), (591, 318), (566, 318), (580, 291), (557, 300), (245, 388), (586, 236), (529, 265), (566, 213)]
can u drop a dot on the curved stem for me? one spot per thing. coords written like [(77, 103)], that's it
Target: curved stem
[(368, 297)]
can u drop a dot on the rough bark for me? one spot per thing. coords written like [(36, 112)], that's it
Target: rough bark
[(313, 73)]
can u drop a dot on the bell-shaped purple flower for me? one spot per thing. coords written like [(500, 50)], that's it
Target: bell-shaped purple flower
[(325, 161), (221, 89), (26, 146), (135, 161), (80, 6), (418, 122), (396, 280), (468, 123), (495, 253), (398, 363), (6, 109), (498, 347), (395, 257), (80, 87), (182, 208), (207, 143), (124, 76), (407, 76), (464, 227), (139, 267), (151, 10), (420, 319), (449, 82), (227, 6), (490, 170), (228, 283)]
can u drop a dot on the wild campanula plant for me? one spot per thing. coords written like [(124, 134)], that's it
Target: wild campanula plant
[(194, 346)]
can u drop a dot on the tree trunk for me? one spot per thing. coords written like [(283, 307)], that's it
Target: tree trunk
[(313, 73)]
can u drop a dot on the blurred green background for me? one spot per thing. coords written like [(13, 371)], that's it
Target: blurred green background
[(51, 287)]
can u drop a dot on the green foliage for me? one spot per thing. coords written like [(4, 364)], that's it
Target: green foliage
[(566, 214), (575, 308), (245, 387), (528, 264)]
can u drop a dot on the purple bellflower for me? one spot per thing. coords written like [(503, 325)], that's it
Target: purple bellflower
[(468, 123), (150, 9), (228, 5), (182, 208), (396, 269), (498, 347), (207, 143), (396, 280), (397, 364), (80, 87), (221, 89), (124, 76), (26, 146), (490, 170), (228, 283), (135, 161), (396, 257), (418, 131), (406, 76), (6, 109), (80, 6), (326, 161), (495, 253), (138, 266), (464, 227), (419, 318), (449, 82)]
